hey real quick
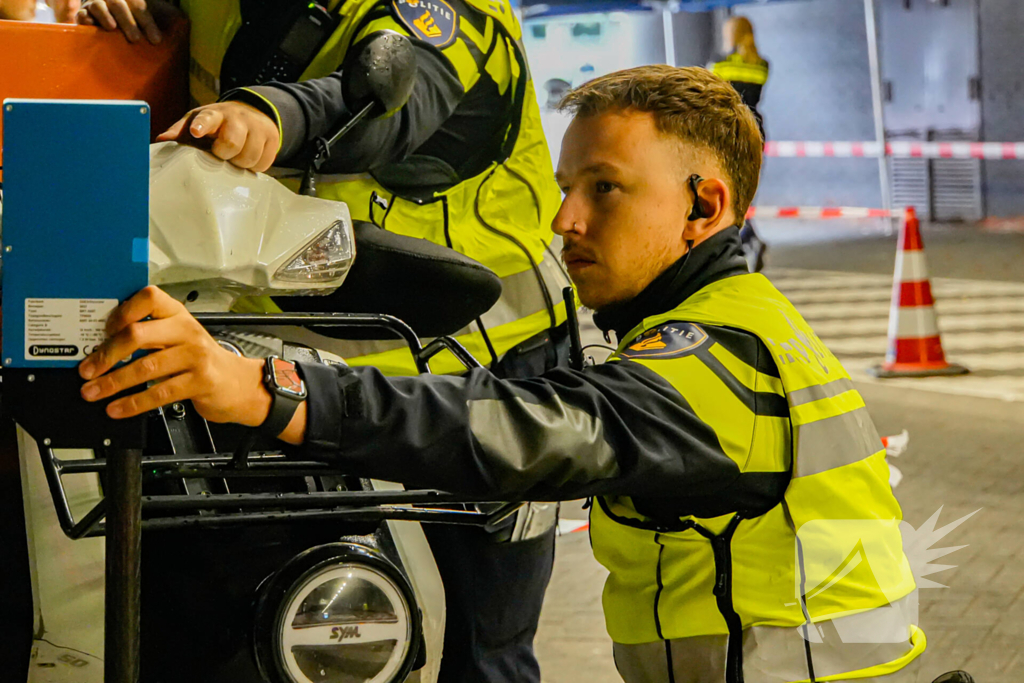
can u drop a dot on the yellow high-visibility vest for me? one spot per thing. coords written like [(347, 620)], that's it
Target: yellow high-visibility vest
[(735, 70), (828, 559)]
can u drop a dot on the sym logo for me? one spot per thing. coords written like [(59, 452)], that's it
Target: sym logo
[(341, 633), (57, 350)]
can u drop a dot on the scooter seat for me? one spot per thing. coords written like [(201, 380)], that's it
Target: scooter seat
[(435, 290)]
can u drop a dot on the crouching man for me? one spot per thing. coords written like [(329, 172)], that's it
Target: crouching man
[(742, 503)]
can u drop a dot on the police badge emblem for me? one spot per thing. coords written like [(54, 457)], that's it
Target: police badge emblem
[(432, 21)]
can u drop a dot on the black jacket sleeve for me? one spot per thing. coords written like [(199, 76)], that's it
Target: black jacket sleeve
[(313, 108), (617, 428)]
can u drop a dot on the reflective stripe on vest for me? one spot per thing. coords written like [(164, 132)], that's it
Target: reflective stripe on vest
[(829, 555), (844, 653), (734, 69)]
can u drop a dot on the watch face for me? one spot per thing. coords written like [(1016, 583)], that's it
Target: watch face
[(287, 379)]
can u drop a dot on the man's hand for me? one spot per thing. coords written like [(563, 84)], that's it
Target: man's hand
[(133, 17), (187, 365), (241, 134)]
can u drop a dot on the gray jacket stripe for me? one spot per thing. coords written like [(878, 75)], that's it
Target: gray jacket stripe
[(835, 441), (819, 391), (566, 444)]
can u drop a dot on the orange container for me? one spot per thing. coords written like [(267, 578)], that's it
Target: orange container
[(60, 61)]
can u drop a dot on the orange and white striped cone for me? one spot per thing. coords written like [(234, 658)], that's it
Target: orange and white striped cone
[(915, 349)]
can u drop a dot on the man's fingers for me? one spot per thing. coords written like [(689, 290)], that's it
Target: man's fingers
[(206, 122), (149, 302), (83, 18), (146, 21), (252, 150), (175, 389), (230, 139), (151, 334), (155, 366), (125, 19), (99, 11), (269, 154)]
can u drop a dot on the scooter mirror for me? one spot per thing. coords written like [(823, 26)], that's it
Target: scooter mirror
[(379, 70)]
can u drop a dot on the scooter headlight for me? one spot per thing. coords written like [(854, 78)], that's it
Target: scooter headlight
[(325, 259), (350, 618)]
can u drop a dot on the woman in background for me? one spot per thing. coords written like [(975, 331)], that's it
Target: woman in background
[(744, 68)]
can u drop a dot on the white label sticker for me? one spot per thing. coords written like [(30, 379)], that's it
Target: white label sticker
[(65, 329)]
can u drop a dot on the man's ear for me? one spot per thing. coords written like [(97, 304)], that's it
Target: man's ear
[(713, 214)]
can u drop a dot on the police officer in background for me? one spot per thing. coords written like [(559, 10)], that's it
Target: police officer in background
[(742, 503), (464, 164), (746, 71)]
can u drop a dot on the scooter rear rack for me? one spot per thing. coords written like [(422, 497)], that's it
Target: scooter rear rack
[(230, 509), (124, 512)]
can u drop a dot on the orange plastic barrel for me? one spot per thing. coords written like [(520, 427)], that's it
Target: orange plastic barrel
[(60, 61)]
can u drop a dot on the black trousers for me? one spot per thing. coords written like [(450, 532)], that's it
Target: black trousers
[(494, 589)]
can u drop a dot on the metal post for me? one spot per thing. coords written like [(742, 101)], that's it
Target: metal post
[(124, 555), (876, 101), (670, 37)]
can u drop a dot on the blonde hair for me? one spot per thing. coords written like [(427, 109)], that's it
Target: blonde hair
[(741, 35), (689, 103)]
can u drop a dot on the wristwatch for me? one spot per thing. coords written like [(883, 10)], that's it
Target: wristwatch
[(287, 392)]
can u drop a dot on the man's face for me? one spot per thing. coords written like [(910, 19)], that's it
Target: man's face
[(625, 206)]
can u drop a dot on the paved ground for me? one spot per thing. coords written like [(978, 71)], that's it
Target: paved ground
[(981, 321), (965, 451)]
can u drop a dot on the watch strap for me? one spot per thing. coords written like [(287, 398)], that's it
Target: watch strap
[(282, 405)]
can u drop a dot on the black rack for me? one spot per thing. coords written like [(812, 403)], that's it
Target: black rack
[(124, 512)]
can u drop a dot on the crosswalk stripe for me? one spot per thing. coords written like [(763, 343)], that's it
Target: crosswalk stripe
[(982, 325), (951, 323), (943, 290), (951, 343), (865, 309), (832, 282)]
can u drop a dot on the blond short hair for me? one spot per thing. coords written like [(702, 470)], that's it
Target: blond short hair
[(691, 104)]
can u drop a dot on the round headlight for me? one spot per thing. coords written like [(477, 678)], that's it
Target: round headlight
[(339, 613)]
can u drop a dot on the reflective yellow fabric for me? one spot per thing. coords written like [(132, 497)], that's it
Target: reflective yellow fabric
[(734, 69), (516, 198), (838, 518)]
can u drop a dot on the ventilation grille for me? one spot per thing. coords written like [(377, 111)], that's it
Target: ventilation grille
[(910, 185), (940, 189)]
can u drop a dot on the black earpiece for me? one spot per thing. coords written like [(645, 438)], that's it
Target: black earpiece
[(698, 211)]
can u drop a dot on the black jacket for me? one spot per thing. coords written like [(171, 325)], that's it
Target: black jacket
[(614, 428), (455, 133)]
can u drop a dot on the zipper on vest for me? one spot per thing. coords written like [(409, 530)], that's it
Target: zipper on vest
[(722, 547), (661, 587)]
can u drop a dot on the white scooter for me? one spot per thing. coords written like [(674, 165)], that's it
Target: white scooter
[(256, 567)]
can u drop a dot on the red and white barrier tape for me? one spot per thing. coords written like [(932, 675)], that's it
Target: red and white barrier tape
[(921, 150), (816, 212), (571, 526)]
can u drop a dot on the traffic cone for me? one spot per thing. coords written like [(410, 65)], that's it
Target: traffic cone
[(915, 349)]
